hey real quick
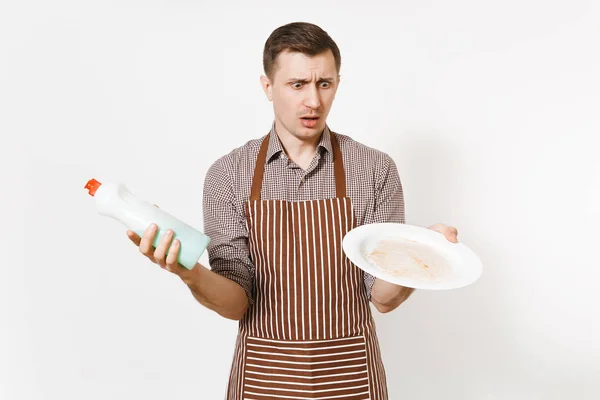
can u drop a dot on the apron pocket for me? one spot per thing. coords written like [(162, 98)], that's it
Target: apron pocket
[(322, 369)]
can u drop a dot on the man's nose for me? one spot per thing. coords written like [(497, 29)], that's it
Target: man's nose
[(313, 98)]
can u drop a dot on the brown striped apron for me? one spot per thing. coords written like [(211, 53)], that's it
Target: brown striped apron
[(309, 333)]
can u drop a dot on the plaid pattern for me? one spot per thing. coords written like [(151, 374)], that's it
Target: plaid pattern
[(372, 183)]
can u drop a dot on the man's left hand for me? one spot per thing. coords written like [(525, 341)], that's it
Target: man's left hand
[(450, 232)]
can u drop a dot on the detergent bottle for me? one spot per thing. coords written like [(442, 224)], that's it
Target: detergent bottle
[(115, 200)]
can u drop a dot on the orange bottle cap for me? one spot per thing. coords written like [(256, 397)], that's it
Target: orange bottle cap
[(92, 186)]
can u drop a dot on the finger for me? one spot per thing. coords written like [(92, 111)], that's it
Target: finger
[(134, 237), (171, 261), (452, 234), (452, 238), (161, 249), (146, 242)]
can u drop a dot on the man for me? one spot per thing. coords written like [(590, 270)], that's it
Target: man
[(277, 209)]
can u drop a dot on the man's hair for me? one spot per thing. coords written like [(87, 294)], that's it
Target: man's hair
[(298, 37)]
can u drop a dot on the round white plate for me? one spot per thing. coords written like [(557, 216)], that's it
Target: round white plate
[(460, 264)]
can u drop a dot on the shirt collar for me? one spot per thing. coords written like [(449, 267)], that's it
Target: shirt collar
[(276, 148)]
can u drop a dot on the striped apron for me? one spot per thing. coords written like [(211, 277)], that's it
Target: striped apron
[(309, 333)]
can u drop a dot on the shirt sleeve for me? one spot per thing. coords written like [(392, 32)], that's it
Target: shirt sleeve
[(388, 204), (225, 224)]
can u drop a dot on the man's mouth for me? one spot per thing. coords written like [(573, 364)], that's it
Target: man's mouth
[(309, 122)]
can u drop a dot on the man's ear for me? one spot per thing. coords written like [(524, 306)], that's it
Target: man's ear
[(267, 87)]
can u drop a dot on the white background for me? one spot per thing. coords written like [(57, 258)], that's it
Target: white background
[(489, 108)]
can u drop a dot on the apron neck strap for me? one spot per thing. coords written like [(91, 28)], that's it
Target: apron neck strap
[(338, 168)]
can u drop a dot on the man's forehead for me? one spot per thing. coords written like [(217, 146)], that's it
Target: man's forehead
[(299, 63), (324, 57)]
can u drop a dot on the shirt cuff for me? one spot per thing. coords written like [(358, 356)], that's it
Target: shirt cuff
[(237, 272), (369, 280)]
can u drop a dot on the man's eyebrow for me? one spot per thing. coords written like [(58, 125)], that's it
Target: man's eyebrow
[(325, 79), (298, 80)]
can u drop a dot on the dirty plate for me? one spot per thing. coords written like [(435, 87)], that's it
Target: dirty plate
[(412, 256)]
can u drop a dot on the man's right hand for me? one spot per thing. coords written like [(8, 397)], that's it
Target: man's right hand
[(159, 255), (214, 291)]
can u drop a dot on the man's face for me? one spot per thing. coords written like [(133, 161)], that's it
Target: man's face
[(302, 90)]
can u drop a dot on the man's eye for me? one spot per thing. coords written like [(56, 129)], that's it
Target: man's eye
[(325, 85), (296, 85)]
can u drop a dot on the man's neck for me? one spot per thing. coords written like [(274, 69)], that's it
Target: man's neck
[(299, 151)]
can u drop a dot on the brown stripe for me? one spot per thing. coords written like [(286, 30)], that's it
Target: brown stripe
[(327, 259), (323, 388), (352, 281), (300, 269), (320, 268), (270, 354), (375, 372), (285, 293), (276, 268), (264, 238), (331, 389), (334, 265), (355, 364), (273, 393), (349, 274), (282, 271), (257, 322), (270, 289), (306, 377), (338, 167), (242, 365), (259, 170), (296, 275), (304, 272), (343, 290), (250, 315), (264, 317), (312, 271), (284, 351), (259, 341), (276, 397), (260, 273), (381, 370)]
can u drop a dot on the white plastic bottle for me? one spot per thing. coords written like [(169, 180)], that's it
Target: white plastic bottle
[(116, 201)]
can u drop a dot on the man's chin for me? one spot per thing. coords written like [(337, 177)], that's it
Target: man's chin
[(310, 132)]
